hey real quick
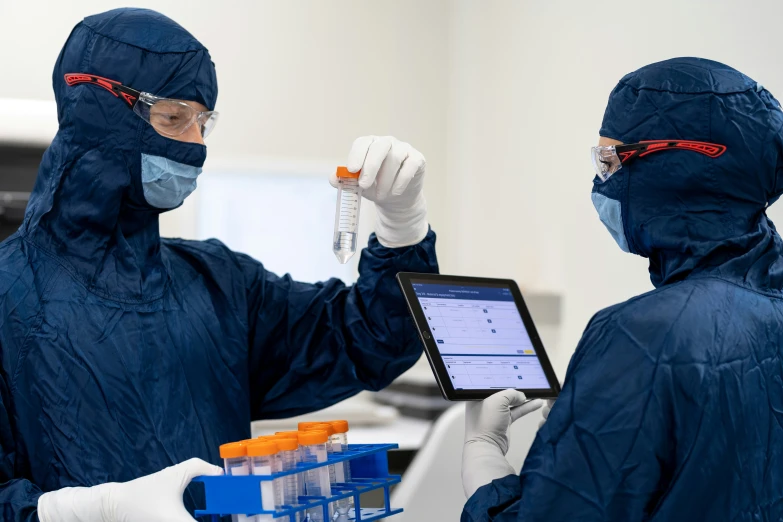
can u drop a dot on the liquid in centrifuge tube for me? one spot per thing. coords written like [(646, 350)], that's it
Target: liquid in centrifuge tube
[(346, 218)]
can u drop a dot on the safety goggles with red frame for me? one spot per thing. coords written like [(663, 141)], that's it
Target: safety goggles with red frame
[(608, 160), (169, 117)]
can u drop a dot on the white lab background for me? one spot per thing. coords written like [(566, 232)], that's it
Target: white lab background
[(504, 98)]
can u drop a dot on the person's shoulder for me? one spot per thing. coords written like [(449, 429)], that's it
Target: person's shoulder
[(208, 246), (678, 317), (669, 303), (209, 250), (210, 255)]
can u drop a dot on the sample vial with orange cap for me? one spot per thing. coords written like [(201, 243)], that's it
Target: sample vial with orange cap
[(313, 446), (339, 444), (325, 426), (235, 462), (341, 505), (299, 457), (262, 456), (339, 472), (288, 458), (340, 438), (346, 217)]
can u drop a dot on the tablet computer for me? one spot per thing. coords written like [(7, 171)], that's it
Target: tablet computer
[(478, 336)]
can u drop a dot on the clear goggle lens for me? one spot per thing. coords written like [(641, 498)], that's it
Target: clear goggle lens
[(605, 162), (173, 118)]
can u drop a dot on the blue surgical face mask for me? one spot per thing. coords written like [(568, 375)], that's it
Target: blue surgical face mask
[(610, 213), (166, 182)]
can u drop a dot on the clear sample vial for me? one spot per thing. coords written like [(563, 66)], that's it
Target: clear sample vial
[(313, 446), (288, 458), (235, 462), (262, 456), (325, 426), (300, 478), (346, 217), (339, 443)]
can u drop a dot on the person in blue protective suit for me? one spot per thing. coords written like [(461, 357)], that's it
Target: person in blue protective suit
[(128, 359), (672, 405)]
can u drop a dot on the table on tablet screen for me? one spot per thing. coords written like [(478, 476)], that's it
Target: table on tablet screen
[(481, 337)]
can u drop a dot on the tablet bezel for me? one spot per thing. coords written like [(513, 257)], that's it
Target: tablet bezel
[(406, 280)]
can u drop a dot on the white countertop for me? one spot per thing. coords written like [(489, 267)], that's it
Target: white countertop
[(370, 423), (407, 432)]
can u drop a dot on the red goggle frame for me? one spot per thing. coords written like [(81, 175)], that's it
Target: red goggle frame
[(130, 96)]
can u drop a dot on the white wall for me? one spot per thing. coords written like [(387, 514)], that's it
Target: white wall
[(529, 82), (298, 79), (504, 97)]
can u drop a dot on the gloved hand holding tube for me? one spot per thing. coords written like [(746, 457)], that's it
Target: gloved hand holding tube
[(152, 498), (392, 176), (486, 437)]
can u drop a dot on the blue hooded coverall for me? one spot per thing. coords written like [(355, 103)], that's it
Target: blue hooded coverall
[(672, 406), (123, 353)]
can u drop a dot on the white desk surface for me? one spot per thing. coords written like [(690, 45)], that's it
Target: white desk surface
[(371, 423), (407, 432)]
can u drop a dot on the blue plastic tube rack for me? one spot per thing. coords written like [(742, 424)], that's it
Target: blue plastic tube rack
[(241, 495)]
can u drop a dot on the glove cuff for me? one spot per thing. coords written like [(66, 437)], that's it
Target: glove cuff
[(499, 441), (482, 462), (397, 228)]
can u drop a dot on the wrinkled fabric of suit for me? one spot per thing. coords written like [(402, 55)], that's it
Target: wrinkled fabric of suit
[(672, 406), (123, 353)]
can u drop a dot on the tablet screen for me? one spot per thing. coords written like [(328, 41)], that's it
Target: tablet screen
[(480, 336)]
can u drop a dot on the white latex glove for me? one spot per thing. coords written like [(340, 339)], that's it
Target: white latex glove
[(545, 412), (392, 177), (152, 498), (486, 437)]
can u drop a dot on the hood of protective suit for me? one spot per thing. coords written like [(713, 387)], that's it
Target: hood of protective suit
[(688, 213), (88, 208)]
